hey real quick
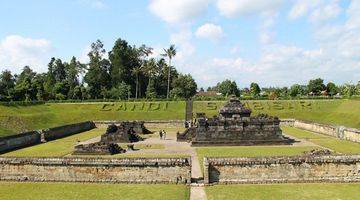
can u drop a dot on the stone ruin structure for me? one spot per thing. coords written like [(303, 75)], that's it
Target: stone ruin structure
[(98, 148), (234, 126), (126, 132)]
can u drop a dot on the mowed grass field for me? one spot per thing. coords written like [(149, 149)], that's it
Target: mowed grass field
[(334, 144), (14, 119), (318, 191), (82, 191)]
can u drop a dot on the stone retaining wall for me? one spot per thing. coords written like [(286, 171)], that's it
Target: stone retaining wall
[(340, 168), (121, 170), (19, 141), (340, 132), (67, 130)]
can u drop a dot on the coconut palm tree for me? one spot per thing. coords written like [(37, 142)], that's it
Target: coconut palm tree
[(169, 53), (136, 71)]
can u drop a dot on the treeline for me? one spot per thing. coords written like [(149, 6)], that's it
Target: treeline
[(126, 72), (315, 88)]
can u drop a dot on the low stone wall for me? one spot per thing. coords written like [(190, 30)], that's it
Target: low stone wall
[(121, 170), (19, 141), (341, 168), (63, 131), (148, 124), (340, 132)]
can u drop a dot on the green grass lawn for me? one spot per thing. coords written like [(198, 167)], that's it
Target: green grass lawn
[(56, 148), (79, 191), (318, 191), (337, 145), (14, 119)]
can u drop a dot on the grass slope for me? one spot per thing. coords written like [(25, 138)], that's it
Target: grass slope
[(337, 112), (79, 191), (14, 119), (319, 191), (339, 146)]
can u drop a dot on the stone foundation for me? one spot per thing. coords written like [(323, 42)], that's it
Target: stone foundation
[(122, 170), (340, 168)]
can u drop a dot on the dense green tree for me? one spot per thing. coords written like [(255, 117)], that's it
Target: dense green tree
[(316, 86), (24, 89), (97, 76), (169, 53), (59, 71), (121, 92), (295, 90), (184, 86), (7, 84), (332, 89), (227, 88), (73, 70), (255, 89)]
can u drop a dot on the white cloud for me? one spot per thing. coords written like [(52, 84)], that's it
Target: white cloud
[(326, 12), (178, 11), (17, 51), (233, 8), (318, 10), (184, 46), (210, 31)]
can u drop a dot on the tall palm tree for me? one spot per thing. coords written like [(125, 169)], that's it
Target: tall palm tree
[(169, 53), (136, 71)]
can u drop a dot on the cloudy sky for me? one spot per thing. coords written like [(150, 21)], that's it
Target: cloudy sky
[(277, 42)]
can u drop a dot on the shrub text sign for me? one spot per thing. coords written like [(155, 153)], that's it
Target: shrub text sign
[(138, 106)]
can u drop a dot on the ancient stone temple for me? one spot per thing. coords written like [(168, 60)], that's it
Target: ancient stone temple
[(124, 133), (234, 126)]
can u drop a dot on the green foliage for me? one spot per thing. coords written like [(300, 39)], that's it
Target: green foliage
[(184, 86), (227, 88), (255, 89), (315, 86), (332, 89), (122, 91)]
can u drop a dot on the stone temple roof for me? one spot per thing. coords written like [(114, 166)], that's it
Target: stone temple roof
[(234, 106)]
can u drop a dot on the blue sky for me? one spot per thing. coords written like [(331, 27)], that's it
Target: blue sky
[(278, 42)]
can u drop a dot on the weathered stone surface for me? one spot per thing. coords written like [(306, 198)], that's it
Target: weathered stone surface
[(124, 133), (98, 148), (340, 168), (121, 170), (67, 130), (19, 141), (235, 126)]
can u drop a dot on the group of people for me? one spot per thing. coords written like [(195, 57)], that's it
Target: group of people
[(162, 134)]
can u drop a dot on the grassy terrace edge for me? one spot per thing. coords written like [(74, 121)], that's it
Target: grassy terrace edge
[(14, 119)]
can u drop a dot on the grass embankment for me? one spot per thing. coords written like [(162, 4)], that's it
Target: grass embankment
[(337, 145), (336, 112), (14, 119), (326, 191), (79, 191)]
